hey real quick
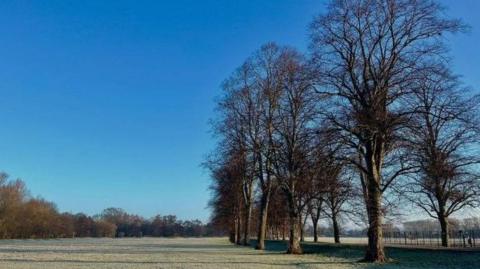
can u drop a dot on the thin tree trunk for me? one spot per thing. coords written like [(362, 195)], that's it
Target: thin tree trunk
[(315, 219), (302, 226), (239, 230), (336, 230), (246, 231), (248, 203), (233, 231), (232, 236), (315, 229), (262, 227)]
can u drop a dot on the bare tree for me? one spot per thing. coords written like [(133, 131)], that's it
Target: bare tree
[(227, 199), (297, 112), (369, 53), (266, 65), (278, 215), (337, 193), (266, 113), (443, 136), (240, 126), (314, 209), (320, 171)]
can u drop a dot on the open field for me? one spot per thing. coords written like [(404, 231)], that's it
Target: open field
[(207, 253)]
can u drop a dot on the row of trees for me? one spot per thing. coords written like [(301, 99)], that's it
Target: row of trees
[(422, 225), (158, 226), (24, 217), (371, 116), (429, 225)]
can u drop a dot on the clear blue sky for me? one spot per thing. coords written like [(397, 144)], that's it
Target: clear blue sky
[(106, 103)]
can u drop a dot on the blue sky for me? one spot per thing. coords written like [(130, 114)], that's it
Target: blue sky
[(106, 103)]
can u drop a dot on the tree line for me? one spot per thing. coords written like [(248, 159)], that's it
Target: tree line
[(22, 216), (367, 124), (422, 225)]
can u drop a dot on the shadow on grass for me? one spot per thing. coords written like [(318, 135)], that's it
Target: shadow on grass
[(420, 258), (189, 263), (324, 249), (400, 257)]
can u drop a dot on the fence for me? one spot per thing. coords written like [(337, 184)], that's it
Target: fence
[(458, 239)]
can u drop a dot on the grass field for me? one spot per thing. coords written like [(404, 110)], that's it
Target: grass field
[(208, 253)]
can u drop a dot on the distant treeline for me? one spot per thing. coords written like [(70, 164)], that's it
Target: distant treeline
[(418, 226), (163, 226), (22, 216)]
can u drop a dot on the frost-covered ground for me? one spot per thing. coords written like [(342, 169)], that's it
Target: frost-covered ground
[(206, 253)]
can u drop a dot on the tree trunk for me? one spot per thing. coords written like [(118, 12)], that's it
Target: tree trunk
[(246, 231), (302, 234), (336, 230), (233, 231), (294, 246), (315, 229), (302, 228), (315, 218), (375, 249), (444, 226), (262, 227), (231, 237), (238, 233)]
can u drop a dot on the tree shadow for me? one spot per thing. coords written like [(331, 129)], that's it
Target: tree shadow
[(325, 249), (421, 258), (399, 257)]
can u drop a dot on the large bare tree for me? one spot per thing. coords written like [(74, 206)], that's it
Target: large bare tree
[(369, 53), (443, 138)]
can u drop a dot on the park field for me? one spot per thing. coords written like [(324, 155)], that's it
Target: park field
[(209, 253)]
